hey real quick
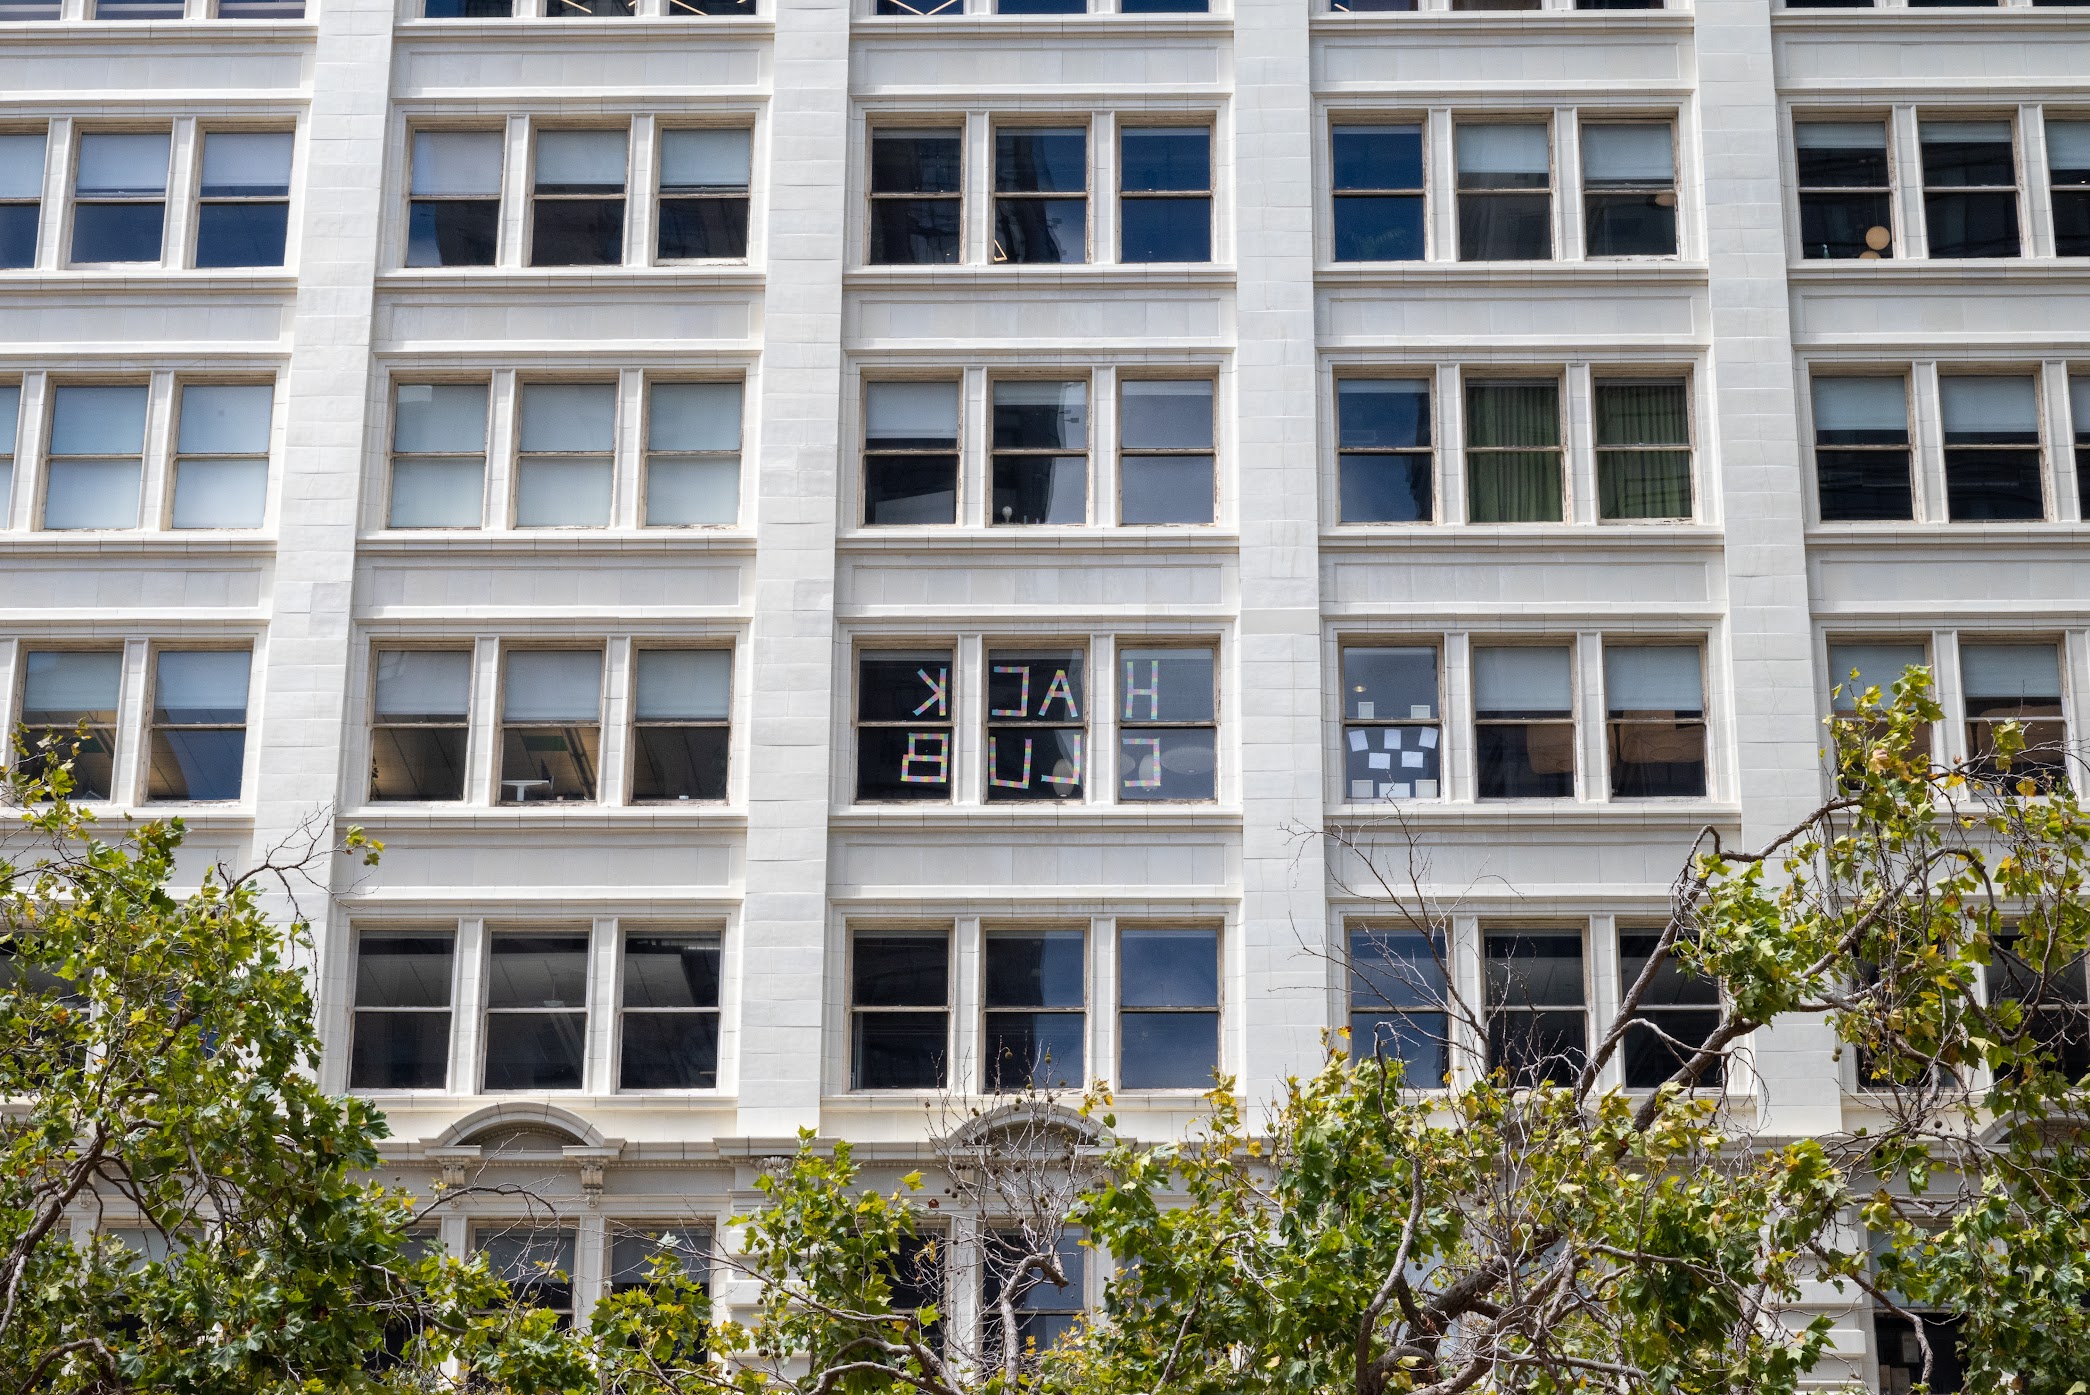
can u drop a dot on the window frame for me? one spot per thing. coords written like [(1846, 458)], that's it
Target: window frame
[(1347, 721), (1028, 725), (473, 706), (885, 648), (1686, 386), (1577, 699), (1550, 191), (873, 195), (488, 1009), (1931, 190), (1357, 988), (1126, 725), (148, 439), (154, 726), (744, 198), (112, 733), (853, 1012), (1039, 123), (521, 456), (498, 198), (1339, 120), (715, 937), (205, 200), (393, 454), (35, 200), (724, 724), (1126, 453), (1217, 1010), (540, 128), (1492, 1009), (75, 200), (1208, 195), (447, 1010), (991, 1081), (1895, 247), (175, 455), (505, 726)]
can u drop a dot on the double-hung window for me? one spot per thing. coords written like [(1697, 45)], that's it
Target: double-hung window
[(1538, 1021), (1629, 188), (565, 455), (454, 209), (1041, 463), (2018, 683), (199, 723), (1877, 664), (917, 195), (400, 1038), (1677, 1015), (910, 453), (1165, 194), (703, 194), (537, 1265), (1524, 722), (96, 456), (1378, 204), (422, 715), (1970, 189), (21, 196), (1846, 190), (903, 725), (1037, 736), (1992, 454), (221, 460), (2079, 409), (577, 201), (1400, 999), (1165, 472), (1041, 205), (69, 696), (1045, 1312), (693, 454), (551, 725), (667, 1025), (120, 197), (679, 728), (636, 1256), (1514, 461), (899, 1010), (1655, 694), (2068, 167), (438, 455), (10, 425), (1385, 464), (920, 9), (243, 213), (1391, 723), (1643, 438), (536, 1010), (2052, 998), (1861, 449), (1035, 1020), (1168, 734), (1505, 192), (1168, 1009)]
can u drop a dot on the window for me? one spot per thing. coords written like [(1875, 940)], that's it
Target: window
[(2079, 410), (20, 10), (536, 1011), (703, 194), (693, 454), (577, 205), (454, 214), (587, 9), (417, 740), (261, 9), (910, 453), (566, 444), (1034, 1000), (1378, 193), (62, 690), (2014, 683), (1901, 1354), (2067, 162), (1656, 698), (1041, 7), (1513, 455), (1877, 664), (468, 9), (1045, 1311), (96, 457), (1391, 723), (438, 455), (551, 725), (679, 730), (21, 194), (1163, 7), (138, 9), (1165, 193), (1678, 1014), (1505, 193), (120, 196), (1970, 189), (1846, 193), (1643, 436), (1041, 206), (537, 1265), (1524, 723), (916, 193), (1538, 1029), (668, 1026), (1036, 726), (1399, 992), (1991, 448), (1165, 466), (1168, 1020), (1861, 449), (1629, 189), (1384, 460), (10, 424), (899, 995), (921, 8), (221, 461), (243, 216), (635, 1256), (1168, 737), (903, 725), (1372, 6), (199, 723), (401, 1033), (2052, 996), (1041, 463)]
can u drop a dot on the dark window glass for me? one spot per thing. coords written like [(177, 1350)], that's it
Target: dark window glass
[(1034, 1009), (669, 1019), (1846, 193), (199, 723), (1629, 184), (903, 725), (536, 1011), (2068, 167), (1384, 456), (1168, 1020), (468, 9), (703, 194), (454, 215), (1970, 189), (1372, 6), (261, 9), (1678, 1013), (1399, 992), (1041, 7), (1656, 698), (742, 8), (537, 1265), (1618, 4), (899, 1015), (551, 726), (138, 9), (417, 741), (679, 731), (1992, 451), (1378, 203), (1165, 465), (1041, 206), (1505, 192), (1901, 1353), (1391, 724), (2079, 410), (577, 204), (636, 1256), (1538, 1028), (2052, 1000), (1861, 449), (910, 453), (1643, 431), (1524, 723), (69, 698), (1828, 4), (1041, 463), (1163, 7), (243, 214), (1045, 1311), (1165, 193), (1513, 456), (120, 196), (21, 194), (401, 1035), (586, 9), (2018, 683), (916, 194), (1037, 723), (1168, 735), (921, 7)]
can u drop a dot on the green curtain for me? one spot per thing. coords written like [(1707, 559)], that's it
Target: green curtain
[(1512, 414), (1643, 483), (1642, 414), (1520, 484)]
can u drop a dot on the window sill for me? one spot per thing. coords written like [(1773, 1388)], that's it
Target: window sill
[(537, 279), (1442, 23), (1652, 271), (212, 31), (2067, 534), (535, 542), (1942, 22), (599, 26), (887, 27), (406, 815), (98, 542), (1955, 271), (968, 278), (110, 276), (1010, 818), (1522, 813), (1376, 537), (1203, 537)]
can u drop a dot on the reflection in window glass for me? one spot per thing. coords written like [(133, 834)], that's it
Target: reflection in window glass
[(551, 725), (1378, 193), (910, 453), (1505, 192), (536, 1011), (2049, 989), (903, 721), (1677, 1014), (537, 1265), (1036, 725), (1041, 464), (1168, 732), (1399, 992), (417, 740), (1513, 455), (1991, 448), (1165, 184), (69, 697), (917, 181), (1538, 1028), (1041, 206), (1168, 1020), (1045, 1311), (1390, 724), (1861, 449), (96, 457), (1524, 723), (637, 1255), (199, 723), (668, 1022), (1035, 993), (1383, 450), (899, 998), (1165, 464), (401, 1032)]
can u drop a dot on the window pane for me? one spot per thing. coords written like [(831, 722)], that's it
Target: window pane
[(423, 684), (1861, 411), (1169, 1050), (1041, 161), (1512, 414), (669, 1051), (686, 492), (694, 417), (440, 417), (1168, 968), (399, 1051), (1165, 158), (1989, 410), (553, 686), (436, 493), (911, 416), (899, 1051), (246, 164), (454, 164), (1653, 679), (225, 419), (1503, 157), (569, 416), (580, 161), (1167, 685), (1642, 414), (1377, 157), (1877, 666), (698, 160), (21, 165), (1042, 969), (98, 421), (207, 685), (1051, 416), (1383, 413), (220, 493), (671, 971), (562, 492), (900, 971), (1509, 682), (1160, 489), (127, 164), (1628, 154), (10, 416), (633, 1256), (1160, 415), (1397, 969), (2028, 673), (91, 494), (537, 971), (538, 1264), (910, 163), (403, 971), (1390, 684), (62, 687), (1035, 1050), (684, 684), (1534, 970), (1963, 153)]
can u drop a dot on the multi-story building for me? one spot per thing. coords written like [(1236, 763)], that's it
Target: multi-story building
[(841, 545)]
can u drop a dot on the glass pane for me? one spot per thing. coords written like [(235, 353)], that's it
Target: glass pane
[(1035, 1050), (1503, 157), (1654, 678), (1534, 970), (684, 684), (424, 684), (123, 164), (98, 421), (1379, 228), (437, 493), (1168, 968), (201, 685), (695, 160), (1628, 155), (911, 416), (553, 685), (403, 971), (1989, 410), (1962, 153), (694, 417), (1377, 157), (246, 164), (899, 1051), (1039, 969), (537, 971), (457, 164), (1672, 987), (440, 417), (1519, 681), (1041, 161), (400, 1051), (1383, 413), (1877, 666), (568, 416), (1512, 414), (538, 1263), (225, 419), (21, 163), (669, 1051), (1861, 411), (562, 492), (1159, 489), (1050, 416), (632, 1256), (916, 162), (61, 687), (580, 161), (671, 971), (1040, 489), (904, 687), (417, 763), (1166, 685), (196, 763), (900, 971), (1392, 968), (1165, 158), (220, 493), (2027, 673), (1168, 1050), (1390, 684), (10, 416), (91, 494), (1155, 414), (678, 762), (1167, 764), (685, 492), (1642, 414)]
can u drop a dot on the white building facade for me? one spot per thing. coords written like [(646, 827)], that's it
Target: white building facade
[(839, 547)]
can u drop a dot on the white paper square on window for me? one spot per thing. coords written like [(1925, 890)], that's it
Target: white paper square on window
[(1367, 710), (1393, 739), (1359, 740), (1378, 760), (1429, 738), (1393, 792), (1421, 713), (1425, 789), (1411, 760), (1360, 789)]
